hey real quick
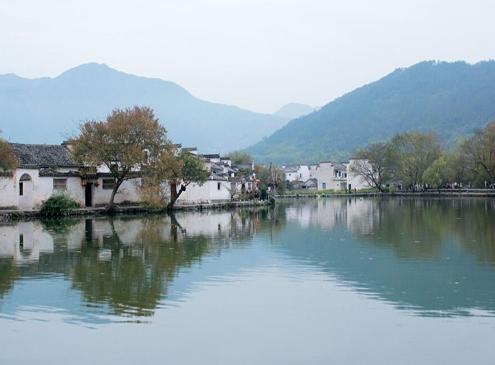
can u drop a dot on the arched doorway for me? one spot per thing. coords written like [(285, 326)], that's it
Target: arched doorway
[(25, 192)]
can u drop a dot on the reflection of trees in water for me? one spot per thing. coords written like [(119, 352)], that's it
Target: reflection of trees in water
[(134, 277), (417, 228), (410, 252), (8, 274), (129, 263)]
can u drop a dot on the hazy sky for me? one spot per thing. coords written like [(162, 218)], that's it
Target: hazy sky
[(258, 54)]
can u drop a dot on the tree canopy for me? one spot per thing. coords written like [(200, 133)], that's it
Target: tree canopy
[(124, 143)]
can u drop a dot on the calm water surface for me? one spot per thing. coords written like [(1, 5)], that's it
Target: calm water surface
[(341, 281)]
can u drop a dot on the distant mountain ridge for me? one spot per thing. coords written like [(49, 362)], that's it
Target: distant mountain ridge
[(450, 99), (294, 110), (47, 110)]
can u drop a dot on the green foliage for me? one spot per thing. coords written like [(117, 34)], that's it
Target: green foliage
[(271, 177), (437, 174), (58, 205), (240, 158), (411, 155), (450, 99), (193, 169), (478, 156)]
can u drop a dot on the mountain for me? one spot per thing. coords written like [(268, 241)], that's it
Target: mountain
[(294, 110), (451, 99), (48, 110)]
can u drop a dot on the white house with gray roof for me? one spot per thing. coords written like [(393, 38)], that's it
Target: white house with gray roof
[(44, 170)]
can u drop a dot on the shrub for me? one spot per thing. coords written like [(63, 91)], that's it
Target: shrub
[(58, 205)]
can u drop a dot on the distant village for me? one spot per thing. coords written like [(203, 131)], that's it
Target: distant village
[(325, 175)]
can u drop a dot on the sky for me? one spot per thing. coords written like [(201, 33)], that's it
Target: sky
[(257, 54)]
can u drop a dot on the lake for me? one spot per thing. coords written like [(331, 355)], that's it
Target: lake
[(322, 281)]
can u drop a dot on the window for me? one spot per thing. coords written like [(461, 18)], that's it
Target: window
[(59, 184), (21, 189), (108, 184), (323, 185), (219, 186)]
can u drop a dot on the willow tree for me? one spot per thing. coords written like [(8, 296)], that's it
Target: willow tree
[(411, 155), (127, 141)]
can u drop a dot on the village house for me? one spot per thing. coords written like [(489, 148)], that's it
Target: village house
[(44, 170), (331, 176)]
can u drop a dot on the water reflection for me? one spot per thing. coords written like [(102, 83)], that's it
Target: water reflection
[(435, 257), (431, 257)]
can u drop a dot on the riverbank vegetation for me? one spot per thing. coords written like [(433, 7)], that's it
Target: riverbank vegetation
[(416, 161)]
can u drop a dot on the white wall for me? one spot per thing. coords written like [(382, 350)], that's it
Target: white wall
[(8, 197), (35, 191), (303, 173), (207, 192), (355, 180), (325, 174), (291, 176), (128, 192)]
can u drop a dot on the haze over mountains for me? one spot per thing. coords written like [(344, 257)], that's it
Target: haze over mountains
[(48, 110), (450, 99)]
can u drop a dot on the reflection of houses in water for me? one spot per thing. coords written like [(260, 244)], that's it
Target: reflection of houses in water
[(128, 263), (24, 242), (357, 214), (324, 213), (361, 215)]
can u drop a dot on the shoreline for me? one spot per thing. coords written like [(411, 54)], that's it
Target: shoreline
[(430, 194), (8, 215)]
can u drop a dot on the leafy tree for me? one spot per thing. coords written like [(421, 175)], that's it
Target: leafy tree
[(373, 164), (411, 154), (192, 169), (178, 170), (125, 142), (8, 160), (271, 177), (479, 155), (437, 174)]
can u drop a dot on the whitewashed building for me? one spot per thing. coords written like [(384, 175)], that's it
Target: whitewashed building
[(356, 181), (331, 176), (45, 170)]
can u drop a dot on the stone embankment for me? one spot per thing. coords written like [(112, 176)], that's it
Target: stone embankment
[(15, 214)]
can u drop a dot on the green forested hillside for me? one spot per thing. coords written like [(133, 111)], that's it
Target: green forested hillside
[(451, 99)]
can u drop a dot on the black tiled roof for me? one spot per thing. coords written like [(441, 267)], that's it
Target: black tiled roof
[(43, 155)]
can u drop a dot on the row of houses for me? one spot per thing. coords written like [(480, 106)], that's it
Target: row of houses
[(45, 170), (326, 175)]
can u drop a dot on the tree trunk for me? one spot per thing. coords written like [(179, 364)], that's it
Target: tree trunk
[(174, 194), (111, 206)]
